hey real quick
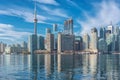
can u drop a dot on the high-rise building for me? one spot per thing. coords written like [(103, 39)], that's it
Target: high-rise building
[(110, 28), (68, 26), (49, 42), (55, 31), (111, 42), (41, 43), (102, 45), (8, 49), (32, 43), (78, 43), (119, 42), (48, 30), (94, 40), (65, 43), (86, 40), (24, 45), (102, 32), (2, 47)]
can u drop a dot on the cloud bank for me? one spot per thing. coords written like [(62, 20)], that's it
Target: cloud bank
[(105, 13), (8, 33)]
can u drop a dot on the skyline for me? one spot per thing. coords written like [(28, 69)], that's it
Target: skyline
[(17, 18)]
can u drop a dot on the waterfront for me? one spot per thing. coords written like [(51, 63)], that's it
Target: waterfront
[(60, 67)]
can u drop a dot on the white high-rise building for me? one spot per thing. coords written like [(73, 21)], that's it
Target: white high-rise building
[(49, 42), (110, 28), (85, 38), (94, 40)]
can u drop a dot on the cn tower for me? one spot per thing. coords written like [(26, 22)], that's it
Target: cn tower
[(35, 20)]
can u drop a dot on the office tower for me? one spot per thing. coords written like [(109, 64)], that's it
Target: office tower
[(68, 26), (119, 43), (117, 30), (78, 43), (55, 31), (2, 47), (32, 43), (8, 49), (24, 45), (102, 45), (86, 40), (41, 43), (49, 42), (110, 42), (33, 38), (102, 32), (65, 43), (94, 40), (48, 30), (110, 28)]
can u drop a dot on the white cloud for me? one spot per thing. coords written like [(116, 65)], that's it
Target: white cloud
[(7, 32), (51, 2), (105, 13), (27, 15), (55, 12), (72, 3)]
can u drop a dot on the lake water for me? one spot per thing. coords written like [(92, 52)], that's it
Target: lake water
[(60, 67)]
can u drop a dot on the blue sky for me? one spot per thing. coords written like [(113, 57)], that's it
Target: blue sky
[(16, 16)]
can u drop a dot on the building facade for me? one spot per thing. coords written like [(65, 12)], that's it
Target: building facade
[(68, 26), (49, 42), (86, 40), (65, 43), (94, 40), (41, 43)]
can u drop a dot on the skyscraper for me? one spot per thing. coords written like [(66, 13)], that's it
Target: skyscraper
[(68, 26), (2, 47), (65, 43), (85, 38), (78, 43), (110, 28), (41, 43), (24, 45), (48, 30), (94, 40), (110, 42), (32, 43), (102, 45), (102, 32), (50, 42), (55, 31)]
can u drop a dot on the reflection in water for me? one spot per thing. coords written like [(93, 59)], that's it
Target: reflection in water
[(60, 67), (47, 65)]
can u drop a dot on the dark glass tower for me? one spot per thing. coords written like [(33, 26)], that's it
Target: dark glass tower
[(102, 33)]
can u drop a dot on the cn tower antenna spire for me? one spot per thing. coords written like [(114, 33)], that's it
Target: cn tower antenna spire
[(35, 19)]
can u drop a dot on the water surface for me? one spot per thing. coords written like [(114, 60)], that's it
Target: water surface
[(60, 67)]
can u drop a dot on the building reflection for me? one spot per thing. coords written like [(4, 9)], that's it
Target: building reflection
[(34, 66), (64, 67), (47, 65), (59, 63)]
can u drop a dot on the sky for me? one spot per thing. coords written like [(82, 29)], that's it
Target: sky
[(16, 16)]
